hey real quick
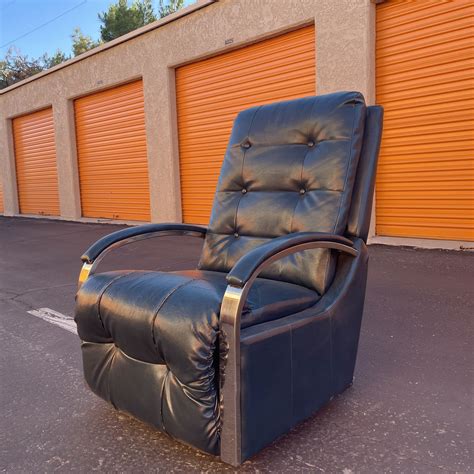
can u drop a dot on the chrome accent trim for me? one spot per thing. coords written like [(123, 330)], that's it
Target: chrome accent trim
[(84, 274), (230, 319), (89, 268), (231, 310)]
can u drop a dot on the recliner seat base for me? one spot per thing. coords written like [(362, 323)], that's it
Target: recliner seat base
[(148, 355)]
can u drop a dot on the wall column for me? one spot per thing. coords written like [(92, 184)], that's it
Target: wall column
[(162, 144), (66, 159), (345, 47), (7, 165)]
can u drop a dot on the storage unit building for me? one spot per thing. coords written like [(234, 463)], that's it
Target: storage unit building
[(141, 123)]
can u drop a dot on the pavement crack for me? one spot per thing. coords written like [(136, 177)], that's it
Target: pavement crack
[(32, 290), (17, 297)]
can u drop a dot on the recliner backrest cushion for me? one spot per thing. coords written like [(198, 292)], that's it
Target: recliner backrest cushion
[(289, 167)]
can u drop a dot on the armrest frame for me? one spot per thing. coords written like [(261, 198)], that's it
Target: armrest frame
[(103, 246), (240, 279)]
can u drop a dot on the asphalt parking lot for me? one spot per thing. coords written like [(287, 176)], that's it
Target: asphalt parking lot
[(409, 410)]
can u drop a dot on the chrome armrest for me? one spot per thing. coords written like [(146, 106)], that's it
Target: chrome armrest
[(230, 320)]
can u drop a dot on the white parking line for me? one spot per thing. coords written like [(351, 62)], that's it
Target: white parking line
[(54, 317)]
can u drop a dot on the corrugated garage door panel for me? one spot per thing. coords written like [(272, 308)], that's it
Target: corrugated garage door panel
[(35, 158), (211, 92), (425, 81), (112, 154)]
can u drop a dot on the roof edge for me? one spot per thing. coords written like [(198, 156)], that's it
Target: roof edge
[(121, 39)]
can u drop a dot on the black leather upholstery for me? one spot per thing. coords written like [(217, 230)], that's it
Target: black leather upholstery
[(289, 167), (316, 353), (363, 194), (140, 326), (247, 264), (294, 172)]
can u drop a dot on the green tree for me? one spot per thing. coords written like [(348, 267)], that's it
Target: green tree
[(82, 43), (15, 66), (167, 7), (121, 18), (146, 13), (57, 58)]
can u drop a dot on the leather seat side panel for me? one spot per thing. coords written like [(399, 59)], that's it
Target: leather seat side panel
[(316, 353)]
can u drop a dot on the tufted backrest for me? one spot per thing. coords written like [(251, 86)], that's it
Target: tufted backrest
[(289, 167)]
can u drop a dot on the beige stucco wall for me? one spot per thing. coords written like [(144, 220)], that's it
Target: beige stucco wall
[(344, 61)]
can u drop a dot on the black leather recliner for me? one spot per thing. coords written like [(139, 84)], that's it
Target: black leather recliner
[(228, 357)]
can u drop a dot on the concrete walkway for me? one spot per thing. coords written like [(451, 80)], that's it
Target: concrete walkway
[(410, 409)]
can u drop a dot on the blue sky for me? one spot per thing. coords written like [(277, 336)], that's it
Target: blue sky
[(43, 26)]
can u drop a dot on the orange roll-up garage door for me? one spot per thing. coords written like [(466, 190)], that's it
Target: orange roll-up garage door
[(211, 92), (425, 81), (112, 155), (35, 158)]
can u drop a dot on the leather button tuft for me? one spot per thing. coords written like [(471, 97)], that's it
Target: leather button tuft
[(246, 145), (236, 235), (244, 191), (310, 143), (302, 191)]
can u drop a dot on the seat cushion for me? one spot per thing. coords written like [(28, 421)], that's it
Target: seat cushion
[(267, 299), (150, 339)]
